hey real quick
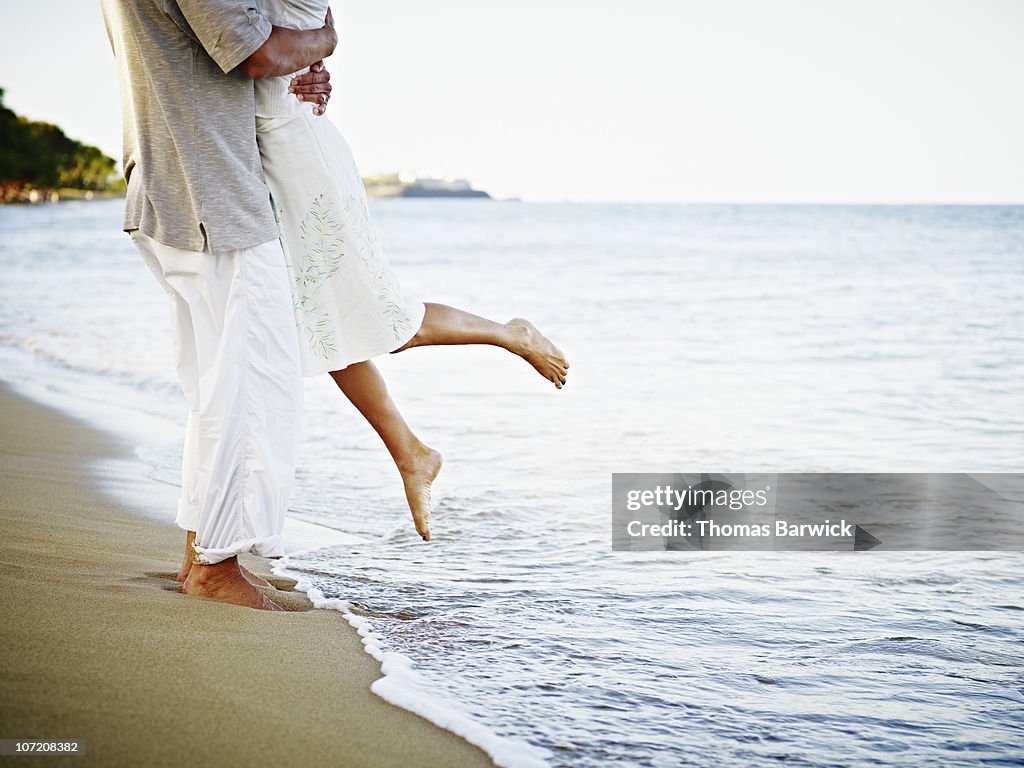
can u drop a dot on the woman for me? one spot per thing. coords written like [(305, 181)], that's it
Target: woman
[(349, 306)]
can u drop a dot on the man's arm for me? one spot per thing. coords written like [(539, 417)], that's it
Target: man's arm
[(289, 50)]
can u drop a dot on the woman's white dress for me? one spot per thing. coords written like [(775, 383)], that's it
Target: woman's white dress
[(348, 302)]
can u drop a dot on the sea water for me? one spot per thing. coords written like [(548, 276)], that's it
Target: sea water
[(701, 338)]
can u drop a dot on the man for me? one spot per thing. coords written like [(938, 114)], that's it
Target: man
[(200, 214)]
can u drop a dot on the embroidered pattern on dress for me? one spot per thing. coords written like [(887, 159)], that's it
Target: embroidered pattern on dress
[(322, 255), (334, 230), (384, 281)]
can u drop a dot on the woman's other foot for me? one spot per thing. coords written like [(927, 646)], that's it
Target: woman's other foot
[(536, 349), (417, 476)]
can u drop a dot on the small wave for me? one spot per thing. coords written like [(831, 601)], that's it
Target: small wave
[(402, 686), (132, 378)]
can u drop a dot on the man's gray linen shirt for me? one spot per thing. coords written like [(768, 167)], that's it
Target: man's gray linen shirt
[(190, 153)]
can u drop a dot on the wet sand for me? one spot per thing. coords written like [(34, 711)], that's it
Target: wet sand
[(99, 645)]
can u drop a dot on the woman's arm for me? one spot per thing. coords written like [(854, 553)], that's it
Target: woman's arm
[(289, 50)]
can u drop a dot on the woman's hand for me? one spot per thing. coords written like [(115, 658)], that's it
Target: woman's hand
[(313, 87)]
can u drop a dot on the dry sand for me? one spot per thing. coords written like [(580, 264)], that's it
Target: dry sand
[(98, 645)]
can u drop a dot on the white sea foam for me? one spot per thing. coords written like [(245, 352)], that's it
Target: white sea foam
[(402, 686)]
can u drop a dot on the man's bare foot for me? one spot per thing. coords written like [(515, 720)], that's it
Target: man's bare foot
[(252, 578), (536, 349), (224, 582), (417, 476), (186, 566)]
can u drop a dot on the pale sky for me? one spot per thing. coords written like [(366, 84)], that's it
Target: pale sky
[(647, 100)]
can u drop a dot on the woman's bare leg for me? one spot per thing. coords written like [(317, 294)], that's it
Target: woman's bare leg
[(418, 464), (366, 389), (447, 325)]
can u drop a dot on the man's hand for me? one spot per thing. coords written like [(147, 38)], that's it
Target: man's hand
[(313, 87)]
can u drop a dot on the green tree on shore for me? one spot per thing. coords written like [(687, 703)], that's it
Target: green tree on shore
[(39, 156)]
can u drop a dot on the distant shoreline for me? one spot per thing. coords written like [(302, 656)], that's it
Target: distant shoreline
[(41, 196), (375, 188), (411, 185)]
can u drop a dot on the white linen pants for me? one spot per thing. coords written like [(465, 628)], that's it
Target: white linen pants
[(237, 356)]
